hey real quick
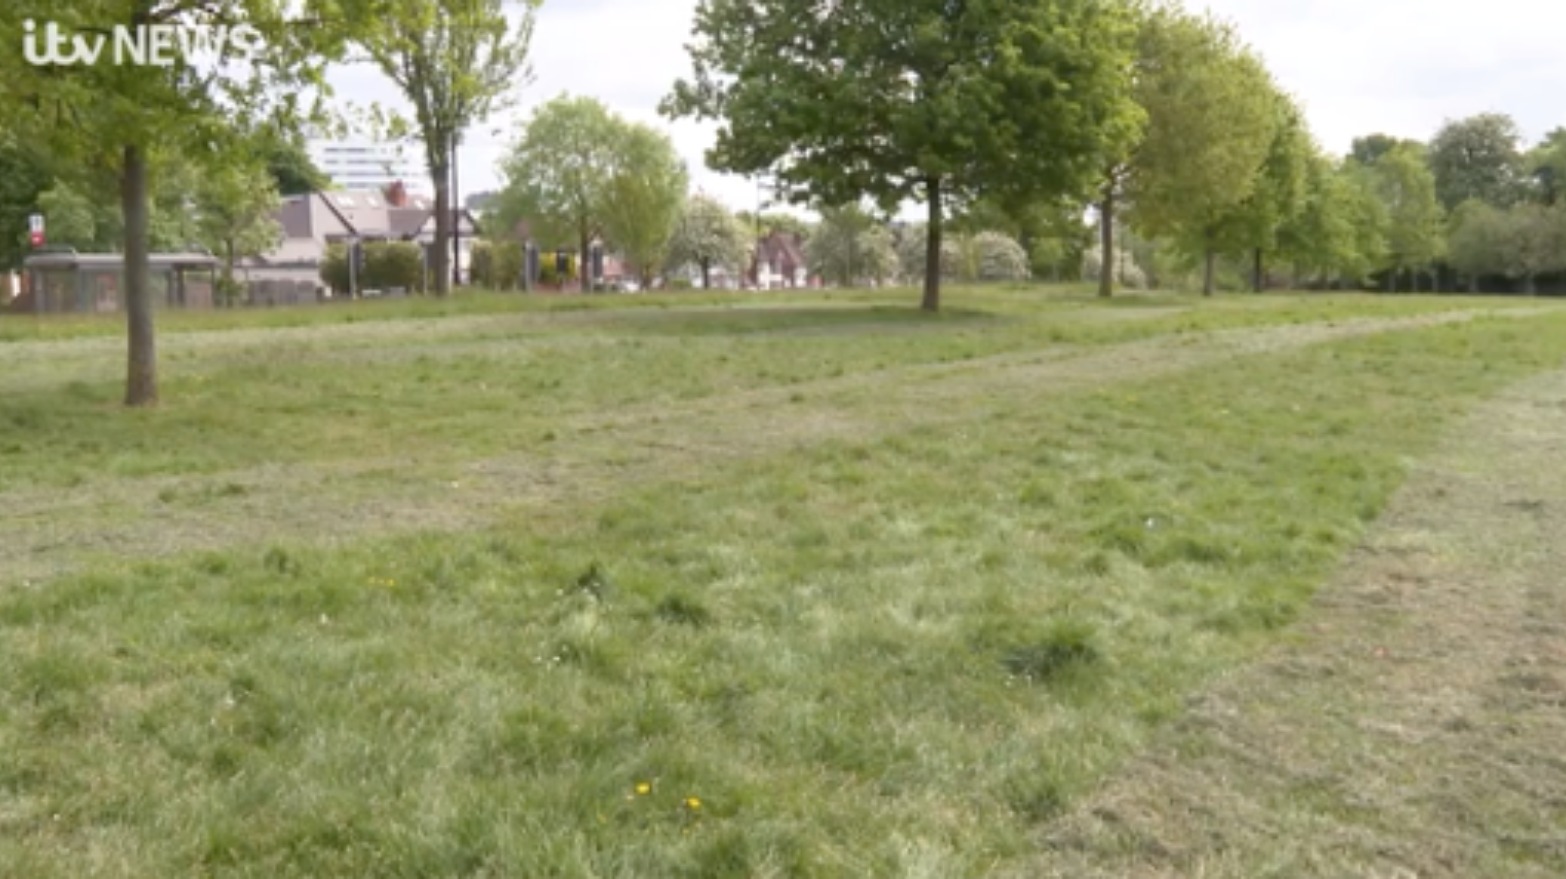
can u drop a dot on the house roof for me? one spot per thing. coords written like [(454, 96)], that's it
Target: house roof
[(783, 248), (406, 222)]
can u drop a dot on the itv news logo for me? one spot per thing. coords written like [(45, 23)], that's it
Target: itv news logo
[(157, 45)]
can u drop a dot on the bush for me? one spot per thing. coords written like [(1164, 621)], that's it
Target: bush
[(334, 268), (509, 260), (393, 264), (498, 266), (482, 264)]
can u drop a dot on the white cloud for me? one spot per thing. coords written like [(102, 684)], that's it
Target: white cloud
[(1358, 66)]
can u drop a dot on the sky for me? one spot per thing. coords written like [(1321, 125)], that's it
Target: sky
[(1401, 67)]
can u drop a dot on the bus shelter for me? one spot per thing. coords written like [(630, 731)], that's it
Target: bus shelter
[(67, 281)]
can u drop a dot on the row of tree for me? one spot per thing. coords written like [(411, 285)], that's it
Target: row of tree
[(579, 173), (1171, 128)]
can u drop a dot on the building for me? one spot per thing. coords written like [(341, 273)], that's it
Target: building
[(311, 223), (365, 164), (779, 262)]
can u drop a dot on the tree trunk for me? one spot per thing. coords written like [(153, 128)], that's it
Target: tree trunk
[(441, 270), (1258, 273), (1473, 283), (584, 263), (706, 274), (141, 375), (932, 247), (456, 232), (1208, 272), (1529, 286), (1106, 237)]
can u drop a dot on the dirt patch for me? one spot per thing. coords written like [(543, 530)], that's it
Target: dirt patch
[(49, 532), (1414, 727)]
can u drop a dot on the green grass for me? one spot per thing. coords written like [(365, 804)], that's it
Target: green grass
[(402, 384), (895, 651)]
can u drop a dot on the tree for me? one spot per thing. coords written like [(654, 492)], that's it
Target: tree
[(911, 253), (1546, 168), (1533, 242), (707, 235), (900, 100), (644, 197), (999, 257), (559, 176), (1476, 238), (457, 62), (1254, 226), (1368, 150), (234, 209), (74, 220), (288, 163), (1406, 187), (23, 178), (1478, 157), (118, 119), (775, 222), (1339, 233), (1211, 111), (848, 244)]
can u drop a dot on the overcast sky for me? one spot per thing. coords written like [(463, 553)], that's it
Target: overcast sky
[(1359, 66)]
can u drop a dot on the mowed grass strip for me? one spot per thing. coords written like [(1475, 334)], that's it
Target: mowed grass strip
[(896, 658), (465, 386)]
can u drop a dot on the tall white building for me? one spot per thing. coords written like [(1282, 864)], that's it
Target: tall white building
[(362, 163)]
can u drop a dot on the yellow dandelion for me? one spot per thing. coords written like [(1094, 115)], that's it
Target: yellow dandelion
[(643, 788), (693, 803)]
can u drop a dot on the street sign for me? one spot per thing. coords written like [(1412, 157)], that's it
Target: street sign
[(35, 230)]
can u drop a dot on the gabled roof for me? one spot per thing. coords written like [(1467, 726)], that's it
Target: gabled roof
[(784, 248)]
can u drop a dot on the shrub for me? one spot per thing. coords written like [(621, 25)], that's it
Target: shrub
[(508, 261), (391, 264), (482, 264), (334, 268)]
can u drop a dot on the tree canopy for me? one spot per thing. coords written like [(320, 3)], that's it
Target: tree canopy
[(1478, 157), (1212, 112), (924, 100), (456, 62), (707, 235)]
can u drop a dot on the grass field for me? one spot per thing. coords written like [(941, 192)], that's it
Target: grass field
[(807, 585)]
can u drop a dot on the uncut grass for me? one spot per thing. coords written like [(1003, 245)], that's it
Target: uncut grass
[(895, 659), (495, 386)]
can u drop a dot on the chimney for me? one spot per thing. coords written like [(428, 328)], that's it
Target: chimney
[(396, 195)]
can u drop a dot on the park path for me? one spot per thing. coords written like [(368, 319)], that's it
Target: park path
[(50, 531), (1414, 725)]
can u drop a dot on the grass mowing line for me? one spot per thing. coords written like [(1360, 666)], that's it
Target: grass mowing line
[(882, 657), (1414, 726), (589, 459)]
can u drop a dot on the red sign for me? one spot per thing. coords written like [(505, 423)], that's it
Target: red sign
[(35, 230)]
